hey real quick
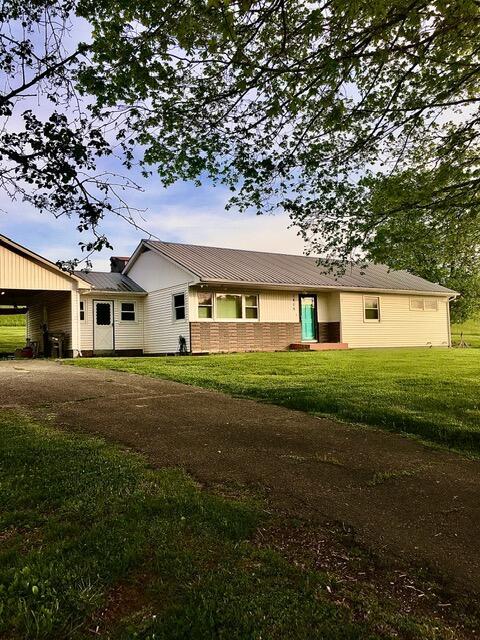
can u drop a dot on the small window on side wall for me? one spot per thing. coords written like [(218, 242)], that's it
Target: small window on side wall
[(417, 304), (128, 312), (82, 310), (251, 307), (423, 304), (179, 306), (371, 309), (205, 305)]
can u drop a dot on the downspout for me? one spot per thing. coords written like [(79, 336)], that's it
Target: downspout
[(449, 326), (79, 328)]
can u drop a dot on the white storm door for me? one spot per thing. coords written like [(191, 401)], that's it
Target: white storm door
[(103, 325)]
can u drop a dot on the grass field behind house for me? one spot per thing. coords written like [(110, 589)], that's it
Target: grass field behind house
[(432, 393), (471, 333), (12, 333), (94, 544)]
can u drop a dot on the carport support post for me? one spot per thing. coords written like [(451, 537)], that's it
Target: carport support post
[(75, 315)]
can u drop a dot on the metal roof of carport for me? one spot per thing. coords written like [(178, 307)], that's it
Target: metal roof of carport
[(238, 266)]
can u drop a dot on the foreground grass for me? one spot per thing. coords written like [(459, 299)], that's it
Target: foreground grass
[(469, 330), (432, 393), (93, 543)]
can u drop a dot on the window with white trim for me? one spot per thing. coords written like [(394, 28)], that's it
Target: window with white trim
[(128, 312), (423, 304), (229, 306), (82, 310), (251, 307), (205, 304), (371, 309), (179, 306)]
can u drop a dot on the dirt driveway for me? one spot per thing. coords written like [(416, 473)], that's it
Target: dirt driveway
[(410, 501)]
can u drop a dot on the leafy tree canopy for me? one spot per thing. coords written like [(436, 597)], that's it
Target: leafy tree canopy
[(50, 145), (359, 119)]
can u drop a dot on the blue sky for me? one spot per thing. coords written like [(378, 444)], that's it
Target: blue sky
[(181, 213)]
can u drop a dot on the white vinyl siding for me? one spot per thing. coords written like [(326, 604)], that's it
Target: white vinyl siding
[(328, 306), (278, 306), (400, 326), (162, 331), (154, 272), (34, 323), (128, 334)]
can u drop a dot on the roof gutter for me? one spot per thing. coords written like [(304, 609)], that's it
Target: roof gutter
[(112, 293), (295, 287)]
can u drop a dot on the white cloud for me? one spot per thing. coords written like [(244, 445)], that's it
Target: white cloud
[(179, 214)]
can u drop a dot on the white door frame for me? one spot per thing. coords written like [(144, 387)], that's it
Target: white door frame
[(108, 344)]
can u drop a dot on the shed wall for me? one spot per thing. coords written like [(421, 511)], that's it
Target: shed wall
[(54, 310)]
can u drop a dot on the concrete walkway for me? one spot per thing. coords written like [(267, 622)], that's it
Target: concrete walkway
[(410, 501)]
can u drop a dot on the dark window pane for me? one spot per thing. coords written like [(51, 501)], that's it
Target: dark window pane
[(103, 313), (128, 312), (179, 306), (251, 312), (371, 314)]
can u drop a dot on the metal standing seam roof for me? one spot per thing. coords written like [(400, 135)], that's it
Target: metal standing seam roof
[(214, 264), (106, 281)]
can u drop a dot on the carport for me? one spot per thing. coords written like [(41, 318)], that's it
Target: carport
[(51, 296)]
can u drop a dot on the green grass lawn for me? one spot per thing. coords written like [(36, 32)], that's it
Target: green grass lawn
[(11, 338), (12, 333), (93, 543), (432, 393), (471, 333)]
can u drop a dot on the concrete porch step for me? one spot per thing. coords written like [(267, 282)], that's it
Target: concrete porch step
[(317, 346)]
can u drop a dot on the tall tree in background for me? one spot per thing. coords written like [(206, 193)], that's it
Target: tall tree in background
[(360, 120)]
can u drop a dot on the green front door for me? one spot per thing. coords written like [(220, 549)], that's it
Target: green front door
[(307, 318)]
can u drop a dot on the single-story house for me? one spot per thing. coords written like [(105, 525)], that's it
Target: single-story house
[(221, 300)]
